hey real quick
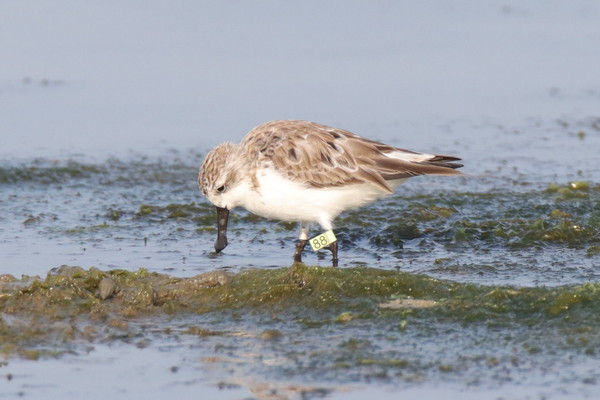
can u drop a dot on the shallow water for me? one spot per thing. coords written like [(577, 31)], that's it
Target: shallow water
[(509, 220), (105, 124)]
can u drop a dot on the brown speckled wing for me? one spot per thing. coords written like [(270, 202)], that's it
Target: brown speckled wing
[(322, 156)]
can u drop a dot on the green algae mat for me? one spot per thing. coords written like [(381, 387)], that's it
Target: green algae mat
[(366, 321)]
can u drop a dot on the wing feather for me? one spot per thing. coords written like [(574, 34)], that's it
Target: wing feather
[(322, 156)]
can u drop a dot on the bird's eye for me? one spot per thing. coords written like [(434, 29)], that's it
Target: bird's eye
[(221, 189)]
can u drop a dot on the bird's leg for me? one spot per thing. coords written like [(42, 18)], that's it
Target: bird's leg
[(334, 251), (301, 243)]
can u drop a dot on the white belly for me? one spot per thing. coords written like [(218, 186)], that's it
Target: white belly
[(279, 198)]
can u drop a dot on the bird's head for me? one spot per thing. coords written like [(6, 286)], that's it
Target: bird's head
[(217, 177)]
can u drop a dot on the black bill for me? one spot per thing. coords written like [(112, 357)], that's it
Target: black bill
[(222, 217)]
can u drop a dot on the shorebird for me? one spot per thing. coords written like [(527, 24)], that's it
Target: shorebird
[(307, 172)]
